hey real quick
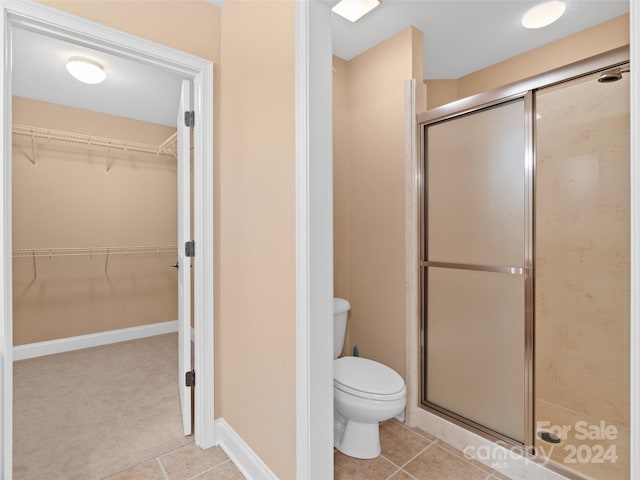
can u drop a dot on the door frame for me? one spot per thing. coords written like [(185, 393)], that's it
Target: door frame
[(54, 23), (314, 240)]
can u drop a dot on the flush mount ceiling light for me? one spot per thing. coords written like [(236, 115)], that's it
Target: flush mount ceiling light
[(353, 10), (86, 70), (543, 14)]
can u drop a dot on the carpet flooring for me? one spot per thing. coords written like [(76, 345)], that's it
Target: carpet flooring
[(90, 413)]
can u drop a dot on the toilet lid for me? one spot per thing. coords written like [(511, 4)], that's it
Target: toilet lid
[(367, 378)]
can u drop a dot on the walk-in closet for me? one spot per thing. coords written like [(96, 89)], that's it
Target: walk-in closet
[(95, 278)]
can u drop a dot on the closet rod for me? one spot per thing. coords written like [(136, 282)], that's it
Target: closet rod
[(167, 147), (93, 251)]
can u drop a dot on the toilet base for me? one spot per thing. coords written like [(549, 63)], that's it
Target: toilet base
[(358, 440)]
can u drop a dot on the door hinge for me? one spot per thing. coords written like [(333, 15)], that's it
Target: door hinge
[(190, 378), (189, 118), (190, 249)]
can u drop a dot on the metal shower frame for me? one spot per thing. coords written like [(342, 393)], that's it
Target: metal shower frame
[(524, 89)]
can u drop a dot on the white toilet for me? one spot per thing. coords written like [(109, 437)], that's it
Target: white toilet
[(364, 393)]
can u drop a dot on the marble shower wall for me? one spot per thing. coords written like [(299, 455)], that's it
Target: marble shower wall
[(582, 275)]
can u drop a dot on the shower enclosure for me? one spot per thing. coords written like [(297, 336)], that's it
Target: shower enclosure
[(525, 265)]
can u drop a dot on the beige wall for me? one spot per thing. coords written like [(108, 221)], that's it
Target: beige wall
[(340, 178), (417, 67), (369, 193), (68, 200), (257, 222), (587, 43), (192, 26), (441, 92)]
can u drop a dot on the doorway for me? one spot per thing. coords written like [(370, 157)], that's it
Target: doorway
[(51, 23)]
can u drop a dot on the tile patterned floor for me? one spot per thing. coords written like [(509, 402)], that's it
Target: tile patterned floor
[(412, 454), (185, 463), (407, 454)]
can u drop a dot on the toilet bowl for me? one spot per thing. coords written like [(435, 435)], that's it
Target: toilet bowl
[(365, 393)]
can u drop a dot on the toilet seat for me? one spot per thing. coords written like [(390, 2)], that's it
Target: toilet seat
[(368, 379)]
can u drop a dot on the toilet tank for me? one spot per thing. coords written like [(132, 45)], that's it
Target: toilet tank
[(340, 311)]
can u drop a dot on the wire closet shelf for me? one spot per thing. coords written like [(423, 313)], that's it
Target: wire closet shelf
[(94, 251), (167, 147)]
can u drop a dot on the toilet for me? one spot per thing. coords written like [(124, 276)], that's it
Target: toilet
[(365, 393)]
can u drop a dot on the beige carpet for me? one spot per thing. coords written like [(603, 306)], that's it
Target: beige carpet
[(91, 413)]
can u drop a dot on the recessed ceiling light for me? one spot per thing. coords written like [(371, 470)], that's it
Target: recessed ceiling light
[(353, 10), (543, 14), (86, 70)]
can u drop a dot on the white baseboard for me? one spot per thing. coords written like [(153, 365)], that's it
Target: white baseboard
[(496, 456), (40, 349), (249, 464)]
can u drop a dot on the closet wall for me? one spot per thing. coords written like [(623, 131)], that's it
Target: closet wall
[(68, 199)]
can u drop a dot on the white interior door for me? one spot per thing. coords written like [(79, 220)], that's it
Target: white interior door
[(184, 261)]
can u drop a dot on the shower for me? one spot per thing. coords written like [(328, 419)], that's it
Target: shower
[(613, 75), (525, 267)]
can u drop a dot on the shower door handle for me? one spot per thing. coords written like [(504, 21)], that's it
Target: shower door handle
[(175, 265), (479, 268)]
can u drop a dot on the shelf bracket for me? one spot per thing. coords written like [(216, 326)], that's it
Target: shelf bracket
[(35, 268), (33, 151), (109, 158)]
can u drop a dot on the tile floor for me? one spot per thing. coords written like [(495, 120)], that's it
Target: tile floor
[(184, 463), (412, 454), (407, 454)]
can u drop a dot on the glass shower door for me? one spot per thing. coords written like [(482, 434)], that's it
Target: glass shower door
[(476, 268)]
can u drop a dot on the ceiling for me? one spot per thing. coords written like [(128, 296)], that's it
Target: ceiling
[(460, 36), (131, 89)]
